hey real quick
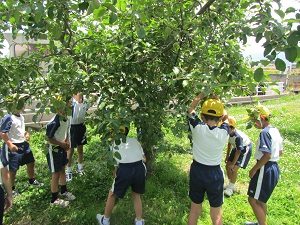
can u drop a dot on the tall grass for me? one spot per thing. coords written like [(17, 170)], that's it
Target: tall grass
[(166, 199)]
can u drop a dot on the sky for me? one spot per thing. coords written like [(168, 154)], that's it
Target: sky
[(255, 50), (251, 50)]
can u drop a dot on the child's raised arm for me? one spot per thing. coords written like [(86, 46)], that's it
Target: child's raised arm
[(195, 102)]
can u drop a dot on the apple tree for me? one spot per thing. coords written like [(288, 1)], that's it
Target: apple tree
[(145, 58)]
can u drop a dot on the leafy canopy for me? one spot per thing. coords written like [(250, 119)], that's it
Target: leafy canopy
[(147, 58)]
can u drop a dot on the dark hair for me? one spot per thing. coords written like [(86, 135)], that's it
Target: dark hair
[(68, 98), (209, 117), (126, 131)]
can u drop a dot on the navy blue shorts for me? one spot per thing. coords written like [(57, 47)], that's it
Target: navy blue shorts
[(209, 180), (56, 158), (244, 157), (78, 135), (16, 159), (264, 181), (130, 175)]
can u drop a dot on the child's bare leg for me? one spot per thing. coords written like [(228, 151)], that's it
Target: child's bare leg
[(80, 154), (234, 174), (12, 175), (216, 215), (137, 205), (30, 170), (195, 212), (110, 203), (70, 156), (54, 182), (62, 176), (228, 172), (260, 210)]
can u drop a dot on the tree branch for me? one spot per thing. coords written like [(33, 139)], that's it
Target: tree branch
[(205, 7)]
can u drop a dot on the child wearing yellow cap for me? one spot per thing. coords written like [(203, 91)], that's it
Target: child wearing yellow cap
[(206, 175), (265, 173), (239, 151)]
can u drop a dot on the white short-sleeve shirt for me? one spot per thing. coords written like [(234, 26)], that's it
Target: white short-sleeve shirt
[(130, 151), (208, 142)]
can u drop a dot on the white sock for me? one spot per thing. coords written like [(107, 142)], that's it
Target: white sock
[(138, 221), (80, 166), (105, 220), (231, 185), (69, 169)]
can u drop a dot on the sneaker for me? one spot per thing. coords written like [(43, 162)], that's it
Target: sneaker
[(226, 186), (60, 202), (69, 176), (80, 172), (68, 196), (15, 193), (100, 219), (251, 223), (228, 192), (139, 222), (230, 186), (36, 183)]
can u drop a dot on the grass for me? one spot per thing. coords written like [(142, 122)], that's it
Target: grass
[(166, 199)]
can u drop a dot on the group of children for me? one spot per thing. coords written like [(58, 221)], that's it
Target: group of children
[(209, 139), (211, 131), (60, 132)]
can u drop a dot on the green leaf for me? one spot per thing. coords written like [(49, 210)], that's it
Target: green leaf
[(141, 32), (50, 12), (258, 74), (280, 64), (112, 18), (118, 142), (34, 118), (117, 155), (265, 62), (83, 6), (244, 38), (56, 67), (98, 13), (63, 66), (20, 104), (110, 7), (291, 54), (258, 37), (38, 105), (2, 71), (280, 13), (276, 90), (12, 20), (293, 39), (94, 4), (102, 105), (272, 56), (57, 32), (268, 49), (290, 9), (249, 125)]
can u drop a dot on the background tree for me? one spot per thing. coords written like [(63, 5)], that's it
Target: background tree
[(146, 58)]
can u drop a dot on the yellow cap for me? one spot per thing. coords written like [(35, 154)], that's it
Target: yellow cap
[(231, 121), (213, 107), (263, 110)]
